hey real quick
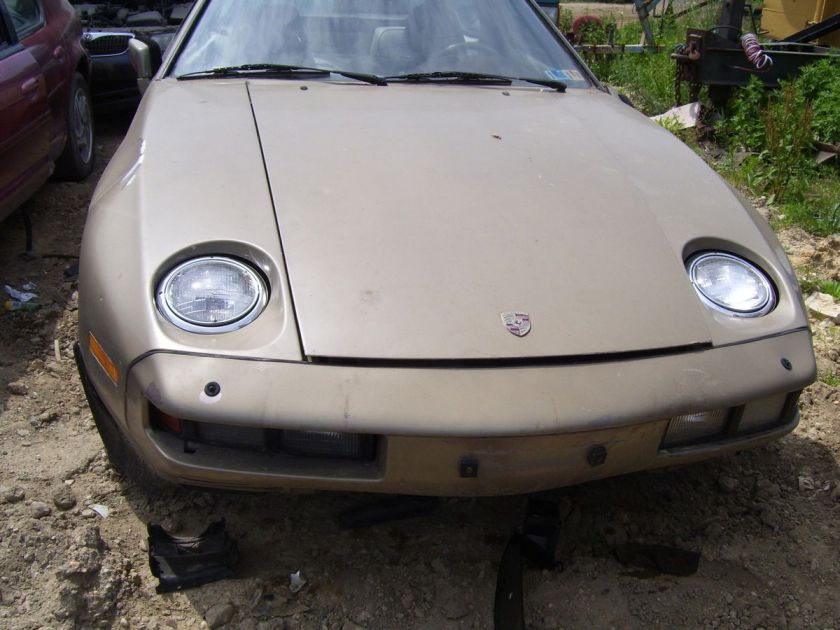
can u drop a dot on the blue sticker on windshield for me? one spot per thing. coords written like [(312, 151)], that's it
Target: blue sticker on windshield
[(556, 74)]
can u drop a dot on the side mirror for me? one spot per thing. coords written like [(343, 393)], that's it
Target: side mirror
[(141, 60)]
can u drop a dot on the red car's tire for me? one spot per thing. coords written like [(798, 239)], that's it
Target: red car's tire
[(76, 161)]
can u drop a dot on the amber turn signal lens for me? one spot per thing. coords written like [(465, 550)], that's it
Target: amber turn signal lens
[(104, 360), (171, 422)]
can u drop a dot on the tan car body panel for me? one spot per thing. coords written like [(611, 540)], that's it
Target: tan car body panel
[(413, 216), (188, 132), (190, 180)]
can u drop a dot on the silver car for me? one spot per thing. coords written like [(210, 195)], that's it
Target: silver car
[(415, 246)]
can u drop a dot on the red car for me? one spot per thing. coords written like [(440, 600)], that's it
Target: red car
[(46, 124)]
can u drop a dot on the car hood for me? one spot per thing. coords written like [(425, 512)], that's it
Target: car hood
[(413, 216)]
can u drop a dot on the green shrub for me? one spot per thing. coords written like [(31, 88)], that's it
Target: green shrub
[(777, 126), (820, 84), (565, 20), (788, 140), (743, 127), (647, 78)]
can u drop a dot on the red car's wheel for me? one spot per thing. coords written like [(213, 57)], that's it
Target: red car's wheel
[(76, 161)]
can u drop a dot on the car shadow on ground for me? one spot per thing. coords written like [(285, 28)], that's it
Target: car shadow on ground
[(440, 570), (57, 212)]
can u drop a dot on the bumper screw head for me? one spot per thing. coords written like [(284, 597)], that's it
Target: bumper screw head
[(597, 455)]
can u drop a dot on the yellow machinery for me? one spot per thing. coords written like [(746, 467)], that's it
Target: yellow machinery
[(781, 18)]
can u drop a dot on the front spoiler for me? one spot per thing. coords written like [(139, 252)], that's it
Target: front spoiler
[(529, 429), (434, 466)]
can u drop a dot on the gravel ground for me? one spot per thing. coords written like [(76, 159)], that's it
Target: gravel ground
[(764, 521)]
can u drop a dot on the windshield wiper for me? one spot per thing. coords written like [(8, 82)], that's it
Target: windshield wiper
[(458, 76), (275, 69)]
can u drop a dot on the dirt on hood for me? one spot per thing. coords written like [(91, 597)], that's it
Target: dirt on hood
[(73, 533)]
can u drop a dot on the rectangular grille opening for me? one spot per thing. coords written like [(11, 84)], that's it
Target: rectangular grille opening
[(106, 44), (765, 414), (333, 445)]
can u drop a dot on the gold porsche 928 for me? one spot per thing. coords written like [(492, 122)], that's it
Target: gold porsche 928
[(414, 246)]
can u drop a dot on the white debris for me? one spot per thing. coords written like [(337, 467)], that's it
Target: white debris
[(684, 116), (103, 510), (296, 582), (20, 296)]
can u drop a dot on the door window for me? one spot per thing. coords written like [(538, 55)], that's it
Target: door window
[(26, 16), (4, 38)]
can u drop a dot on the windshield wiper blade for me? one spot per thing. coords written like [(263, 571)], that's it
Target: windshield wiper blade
[(276, 69), (456, 75), (250, 68), (556, 84)]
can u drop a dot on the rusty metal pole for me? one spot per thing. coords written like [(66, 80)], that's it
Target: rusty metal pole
[(648, 38)]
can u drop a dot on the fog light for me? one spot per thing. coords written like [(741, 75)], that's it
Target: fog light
[(694, 427), (762, 414), (326, 444)]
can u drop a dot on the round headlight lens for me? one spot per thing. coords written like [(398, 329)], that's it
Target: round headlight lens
[(212, 295), (731, 284)]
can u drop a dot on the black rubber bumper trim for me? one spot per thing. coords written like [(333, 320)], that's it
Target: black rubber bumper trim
[(97, 407), (120, 450)]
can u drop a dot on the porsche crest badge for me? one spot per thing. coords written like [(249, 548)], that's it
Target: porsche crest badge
[(518, 324)]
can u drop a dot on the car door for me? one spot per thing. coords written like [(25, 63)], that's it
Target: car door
[(24, 119), (45, 39)]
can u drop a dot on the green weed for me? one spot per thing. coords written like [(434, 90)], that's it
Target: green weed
[(788, 138), (832, 380), (832, 287), (818, 211)]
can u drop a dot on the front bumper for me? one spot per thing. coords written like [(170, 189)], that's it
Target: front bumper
[(526, 429)]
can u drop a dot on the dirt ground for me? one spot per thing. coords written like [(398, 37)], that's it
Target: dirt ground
[(764, 521)]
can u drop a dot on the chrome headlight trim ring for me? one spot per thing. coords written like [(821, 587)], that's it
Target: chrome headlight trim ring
[(768, 304), (253, 310)]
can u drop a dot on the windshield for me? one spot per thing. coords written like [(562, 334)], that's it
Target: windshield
[(382, 37)]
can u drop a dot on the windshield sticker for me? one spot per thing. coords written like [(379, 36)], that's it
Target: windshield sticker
[(573, 78), (556, 74)]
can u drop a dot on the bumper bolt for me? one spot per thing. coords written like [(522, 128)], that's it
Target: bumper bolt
[(597, 455)]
